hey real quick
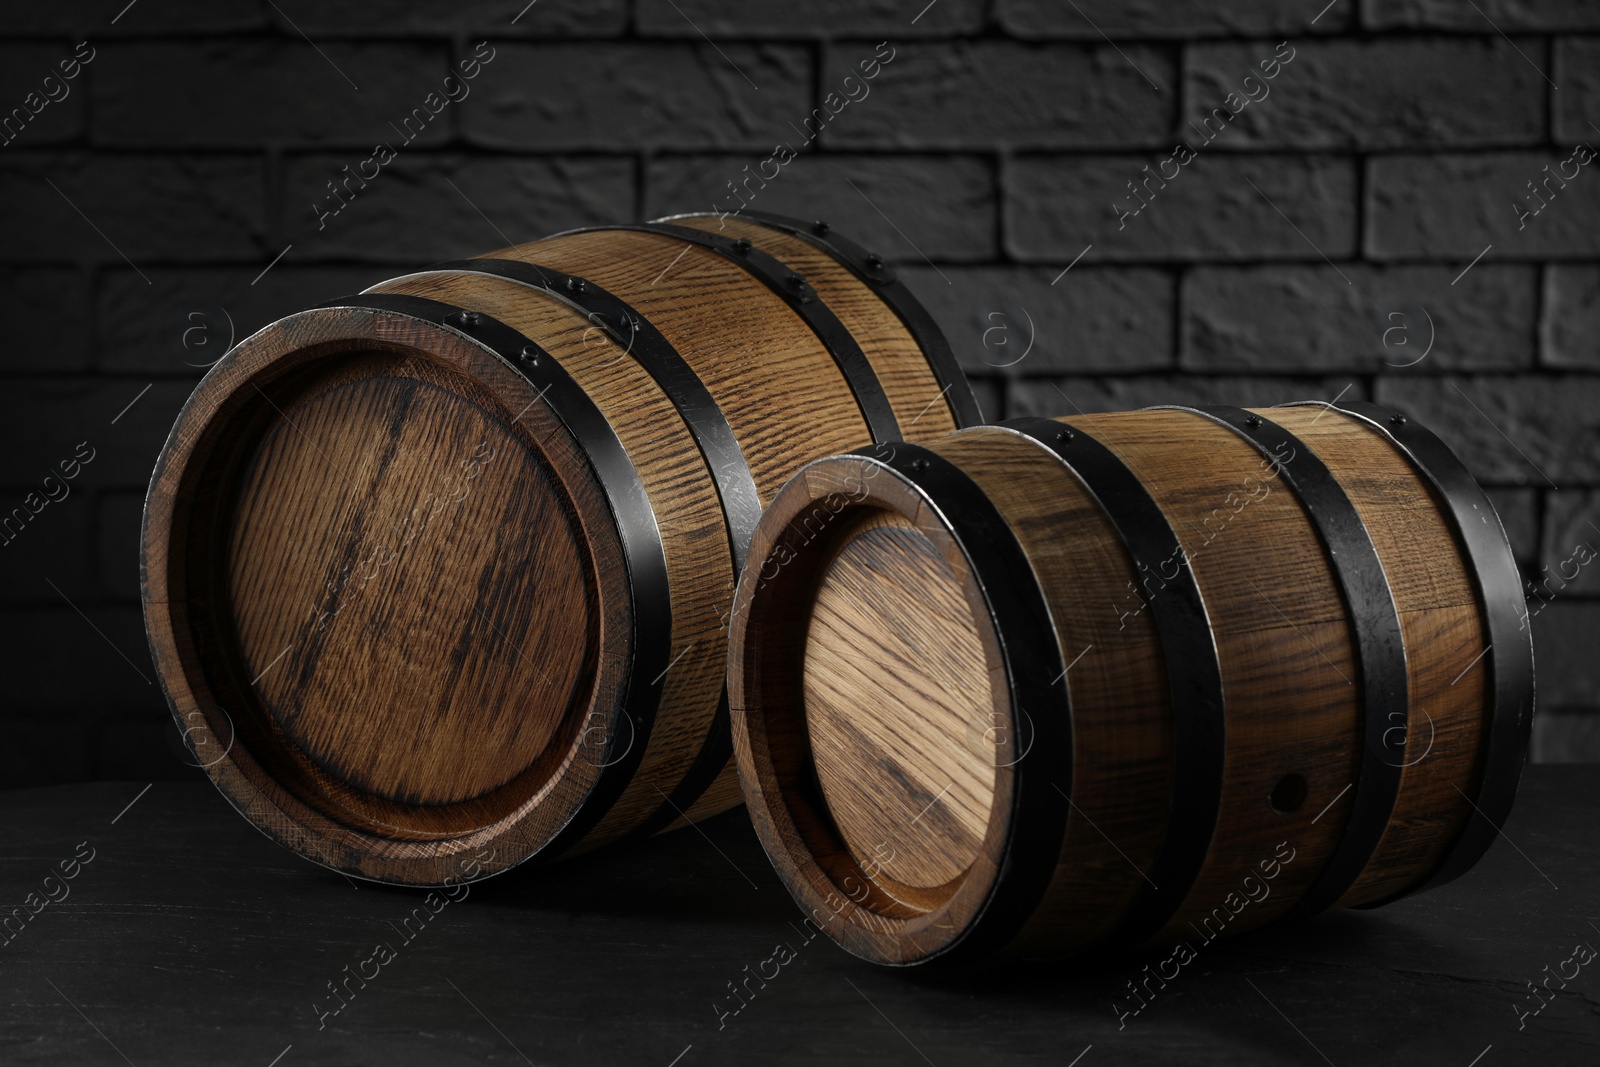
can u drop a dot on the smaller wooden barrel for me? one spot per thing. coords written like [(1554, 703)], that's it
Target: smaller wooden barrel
[(1127, 679), (437, 576)]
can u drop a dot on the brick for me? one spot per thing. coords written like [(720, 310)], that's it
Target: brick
[(1169, 18), (635, 95), (1565, 735), (187, 318), (1577, 71), (93, 19), (1094, 319), (990, 394), (1519, 515), (54, 543), (1507, 15), (43, 420), (943, 206), (1055, 205), (1570, 556), (149, 207), (1454, 205), (1304, 318), (1510, 430), (1563, 654), (988, 93), (816, 19), (410, 213), (39, 105), (118, 521), (249, 93), (477, 19), (75, 671), (45, 310), (1070, 396), (1571, 316), (1370, 94)]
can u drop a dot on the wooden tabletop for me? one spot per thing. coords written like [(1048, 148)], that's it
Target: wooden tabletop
[(183, 936)]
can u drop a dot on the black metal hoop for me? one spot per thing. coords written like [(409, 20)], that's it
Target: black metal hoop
[(643, 552), (1194, 677), (741, 502), (1380, 647), (1033, 664), (1493, 570), (881, 279), (736, 487), (802, 299)]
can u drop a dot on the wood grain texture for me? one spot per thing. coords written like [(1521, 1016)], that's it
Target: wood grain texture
[(383, 573), (782, 393), (1291, 687), (1445, 637), (910, 787), (919, 402), (376, 507), (191, 525), (694, 534), (1117, 685), (849, 890), (1293, 705)]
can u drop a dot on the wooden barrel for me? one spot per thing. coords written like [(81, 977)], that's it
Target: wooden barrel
[(437, 577), (1127, 679)]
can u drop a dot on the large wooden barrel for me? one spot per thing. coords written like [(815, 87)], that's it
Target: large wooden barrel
[(1127, 679), (437, 577)]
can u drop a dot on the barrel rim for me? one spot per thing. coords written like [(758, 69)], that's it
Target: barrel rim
[(1028, 815), (643, 552), (1504, 747), (888, 288), (730, 472), (439, 333), (713, 436)]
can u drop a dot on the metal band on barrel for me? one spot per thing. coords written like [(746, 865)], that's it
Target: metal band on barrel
[(798, 294), (1380, 648), (1493, 570), (741, 502), (736, 487), (643, 552), (1033, 665), (880, 278), (1194, 678)]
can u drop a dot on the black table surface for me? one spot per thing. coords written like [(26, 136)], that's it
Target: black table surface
[(189, 938)]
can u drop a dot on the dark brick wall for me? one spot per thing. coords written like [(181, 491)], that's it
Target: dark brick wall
[(140, 207)]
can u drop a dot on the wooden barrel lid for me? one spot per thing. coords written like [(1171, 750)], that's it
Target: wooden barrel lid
[(897, 705), (378, 561), (875, 712)]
